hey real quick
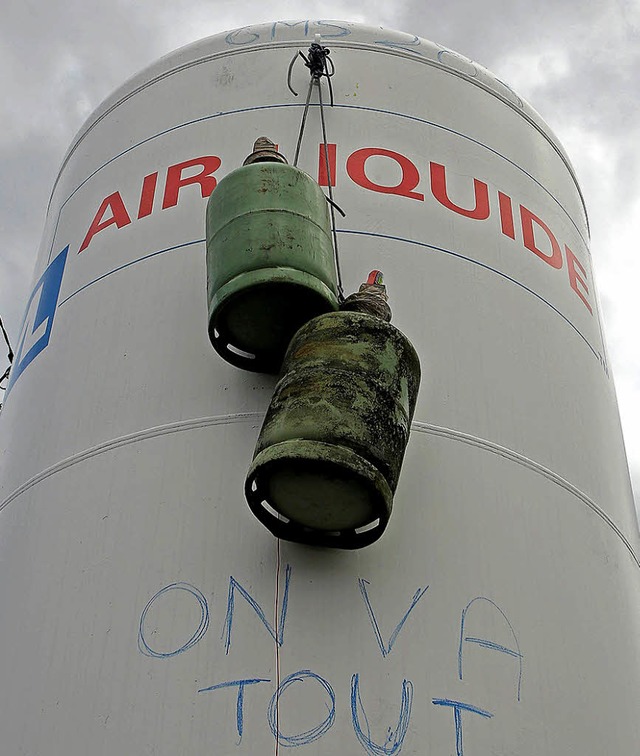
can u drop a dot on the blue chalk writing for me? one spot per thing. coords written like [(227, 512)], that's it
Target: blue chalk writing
[(240, 684), (377, 738), (385, 649), (395, 737), (409, 44), (234, 37), (276, 24), (458, 708), (197, 635), (493, 646), (471, 69), (343, 31), (489, 644), (247, 34), (278, 633), (315, 732)]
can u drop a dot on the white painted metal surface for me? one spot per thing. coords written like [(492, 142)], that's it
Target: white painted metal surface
[(145, 611)]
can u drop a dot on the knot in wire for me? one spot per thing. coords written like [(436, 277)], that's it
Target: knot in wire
[(319, 64), (318, 60)]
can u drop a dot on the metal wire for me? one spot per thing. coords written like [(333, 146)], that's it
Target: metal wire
[(303, 123), (331, 202), (318, 64)]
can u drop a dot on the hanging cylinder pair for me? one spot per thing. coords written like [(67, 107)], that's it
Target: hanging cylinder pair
[(329, 454), (330, 450), (270, 259)]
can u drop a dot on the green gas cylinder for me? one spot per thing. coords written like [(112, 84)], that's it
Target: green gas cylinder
[(329, 454), (270, 259)]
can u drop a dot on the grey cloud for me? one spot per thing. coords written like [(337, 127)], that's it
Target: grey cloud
[(599, 41)]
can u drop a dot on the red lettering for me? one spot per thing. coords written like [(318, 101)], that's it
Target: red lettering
[(119, 216), (175, 180), (528, 219), (506, 215), (410, 175), (439, 191), (147, 195), (327, 157), (575, 278)]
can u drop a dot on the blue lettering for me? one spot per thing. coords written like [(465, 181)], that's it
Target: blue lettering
[(459, 707), (343, 31), (290, 26), (240, 684), (409, 45), (197, 635), (457, 62), (395, 737), (487, 643), (233, 38), (315, 732), (276, 633), (385, 648)]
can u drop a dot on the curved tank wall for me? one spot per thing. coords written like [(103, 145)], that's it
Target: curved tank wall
[(145, 610)]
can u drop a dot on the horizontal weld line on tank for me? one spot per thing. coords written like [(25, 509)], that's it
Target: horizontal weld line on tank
[(245, 417), (370, 47), (520, 459), (479, 264), (313, 105), (132, 438), (129, 264)]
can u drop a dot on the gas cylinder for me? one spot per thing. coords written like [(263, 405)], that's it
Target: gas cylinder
[(270, 259), (329, 454)]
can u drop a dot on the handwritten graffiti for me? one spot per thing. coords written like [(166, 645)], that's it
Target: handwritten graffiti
[(376, 737), (198, 634), (276, 633), (458, 707), (486, 642), (385, 648), (395, 737)]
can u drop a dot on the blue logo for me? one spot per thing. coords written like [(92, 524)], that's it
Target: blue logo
[(38, 320)]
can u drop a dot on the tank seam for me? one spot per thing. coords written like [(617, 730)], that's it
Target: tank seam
[(131, 438), (530, 464), (244, 417), (480, 264)]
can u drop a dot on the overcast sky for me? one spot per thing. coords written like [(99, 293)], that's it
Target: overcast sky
[(576, 62)]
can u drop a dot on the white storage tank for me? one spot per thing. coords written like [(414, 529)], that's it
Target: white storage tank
[(144, 608)]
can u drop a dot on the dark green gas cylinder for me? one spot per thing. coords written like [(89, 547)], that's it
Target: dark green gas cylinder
[(270, 260), (328, 457)]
